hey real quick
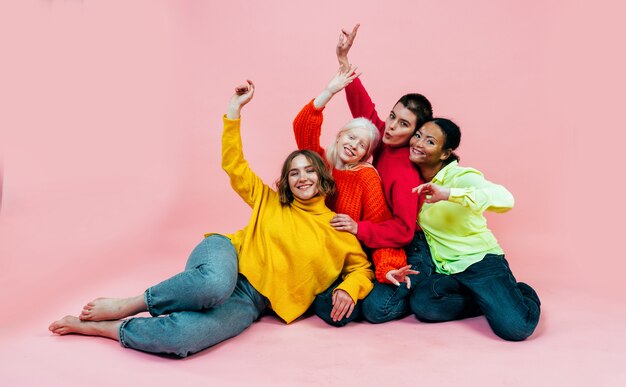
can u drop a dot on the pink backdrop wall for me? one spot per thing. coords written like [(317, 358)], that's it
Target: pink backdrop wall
[(111, 124)]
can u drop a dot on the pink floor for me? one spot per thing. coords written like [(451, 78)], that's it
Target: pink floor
[(110, 129), (574, 345), (580, 341)]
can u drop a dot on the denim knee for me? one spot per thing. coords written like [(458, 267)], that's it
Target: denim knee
[(419, 304), (512, 329), (214, 289), (529, 292), (515, 325), (323, 305), (217, 264), (385, 303)]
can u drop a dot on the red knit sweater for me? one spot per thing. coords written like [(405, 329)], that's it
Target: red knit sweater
[(398, 175), (359, 191)]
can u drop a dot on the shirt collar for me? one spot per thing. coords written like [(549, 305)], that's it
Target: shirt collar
[(441, 175)]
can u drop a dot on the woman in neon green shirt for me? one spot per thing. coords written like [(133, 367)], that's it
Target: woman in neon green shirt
[(471, 275)]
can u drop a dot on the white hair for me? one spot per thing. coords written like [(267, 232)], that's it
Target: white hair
[(372, 135)]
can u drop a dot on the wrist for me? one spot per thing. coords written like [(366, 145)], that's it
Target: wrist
[(322, 99), (233, 112)]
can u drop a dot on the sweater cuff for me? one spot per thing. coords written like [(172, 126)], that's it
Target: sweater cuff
[(351, 288), (226, 119), (316, 109), (387, 263)]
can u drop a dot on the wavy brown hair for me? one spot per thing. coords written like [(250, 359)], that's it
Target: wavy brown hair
[(325, 182)]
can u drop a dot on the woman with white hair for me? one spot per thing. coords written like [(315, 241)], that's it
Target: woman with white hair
[(359, 192)]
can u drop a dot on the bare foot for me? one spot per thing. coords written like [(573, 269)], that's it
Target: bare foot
[(71, 324), (103, 309)]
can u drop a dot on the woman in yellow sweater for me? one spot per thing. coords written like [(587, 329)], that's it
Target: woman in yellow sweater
[(286, 255)]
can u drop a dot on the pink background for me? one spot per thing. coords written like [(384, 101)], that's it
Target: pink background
[(110, 173)]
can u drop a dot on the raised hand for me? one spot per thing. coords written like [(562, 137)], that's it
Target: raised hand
[(342, 305), (401, 275), (344, 76), (243, 95), (343, 46), (432, 192)]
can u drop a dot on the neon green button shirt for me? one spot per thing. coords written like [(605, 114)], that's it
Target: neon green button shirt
[(456, 229)]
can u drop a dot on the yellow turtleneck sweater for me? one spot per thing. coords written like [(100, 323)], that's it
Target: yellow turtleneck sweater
[(290, 253)]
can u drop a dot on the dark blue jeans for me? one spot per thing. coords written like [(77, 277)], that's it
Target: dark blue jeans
[(487, 287), (323, 305), (390, 302)]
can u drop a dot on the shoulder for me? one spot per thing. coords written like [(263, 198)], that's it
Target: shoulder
[(366, 173), (464, 176)]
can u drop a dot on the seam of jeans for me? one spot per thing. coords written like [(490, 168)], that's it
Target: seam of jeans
[(387, 302), (148, 300), (121, 333)]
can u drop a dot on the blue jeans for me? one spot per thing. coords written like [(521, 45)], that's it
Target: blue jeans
[(390, 302), (207, 303), (487, 287)]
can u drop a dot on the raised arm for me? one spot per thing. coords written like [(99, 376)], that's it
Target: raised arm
[(243, 95), (307, 126), (344, 76), (346, 39), (245, 182), (359, 101)]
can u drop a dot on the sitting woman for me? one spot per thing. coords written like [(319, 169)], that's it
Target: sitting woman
[(398, 175), (286, 255), (359, 192), (471, 276)]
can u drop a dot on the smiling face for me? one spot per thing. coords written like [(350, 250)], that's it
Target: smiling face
[(427, 146), (352, 146), (302, 178), (399, 126)]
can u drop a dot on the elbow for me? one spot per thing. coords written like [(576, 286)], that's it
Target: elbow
[(510, 202), (407, 238)]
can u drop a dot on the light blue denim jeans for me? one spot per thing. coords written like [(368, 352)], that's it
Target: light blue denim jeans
[(207, 303)]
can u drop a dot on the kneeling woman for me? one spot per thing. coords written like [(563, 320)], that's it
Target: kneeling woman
[(471, 276), (286, 255)]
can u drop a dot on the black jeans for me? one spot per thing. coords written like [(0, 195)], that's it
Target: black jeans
[(388, 302), (487, 287), (323, 305)]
